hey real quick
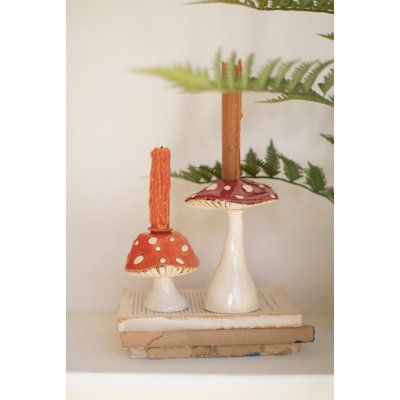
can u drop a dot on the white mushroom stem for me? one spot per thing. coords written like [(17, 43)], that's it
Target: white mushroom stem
[(164, 296), (231, 289)]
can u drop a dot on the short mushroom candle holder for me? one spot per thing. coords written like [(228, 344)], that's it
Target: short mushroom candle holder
[(161, 253), (231, 289)]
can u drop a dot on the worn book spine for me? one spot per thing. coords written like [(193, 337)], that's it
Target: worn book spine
[(218, 337), (214, 351)]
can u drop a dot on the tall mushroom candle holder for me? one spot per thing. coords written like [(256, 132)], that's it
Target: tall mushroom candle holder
[(161, 253), (232, 289)]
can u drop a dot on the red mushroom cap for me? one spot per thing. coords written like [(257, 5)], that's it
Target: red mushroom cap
[(233, 195), (161, 249)]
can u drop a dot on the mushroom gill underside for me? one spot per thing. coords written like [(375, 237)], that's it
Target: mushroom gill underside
[(163, 270)]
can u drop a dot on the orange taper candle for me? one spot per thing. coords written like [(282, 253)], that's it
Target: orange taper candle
[(231, 116), (160, 184)]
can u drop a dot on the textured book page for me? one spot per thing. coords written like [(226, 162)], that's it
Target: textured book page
[(272, 301), (275, 311)]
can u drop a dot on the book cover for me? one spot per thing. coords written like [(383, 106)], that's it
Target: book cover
[(218, 337), (214, 351)]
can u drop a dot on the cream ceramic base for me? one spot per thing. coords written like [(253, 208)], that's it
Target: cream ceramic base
[(232, 289), (164, 297)]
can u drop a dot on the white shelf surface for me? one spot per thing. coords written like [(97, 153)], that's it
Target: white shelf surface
[(99, 368)]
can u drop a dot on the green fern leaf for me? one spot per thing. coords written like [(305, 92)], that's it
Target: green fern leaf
[(329, 138), (251, 164), (194, 171), (217, 170), (298, 75), (282, 70), (274, 77), (327, 83), (206, 173), (311, 96), (217, 70), (230, 72), (292, 170), (328, 193), (329, 36), (189, 174), (314, 74), (315, 178), (323, 6), (183, 76), (250, 169), (265, 73), (251, 157), (271, 165), (247, 71)]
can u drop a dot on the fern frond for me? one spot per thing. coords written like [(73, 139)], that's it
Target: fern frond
[(311, 178), (322, 6), (311, 96), (247, 71), (265, 73), (329, 193), (314, 74), (292, 169), (217, 170), (282, 70), (230, 73), (329, 36), (182, 76), (189, 174), (250, 169), (327, 83), (329, 138), (206, 172), (271, 165), (315, 178), (251, 157), (298, 75), (252, 164), (308, 81), (217, 70)]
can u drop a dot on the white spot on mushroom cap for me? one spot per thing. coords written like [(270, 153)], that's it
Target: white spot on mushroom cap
[(137, 242), (247, 188), (179, 260), (171, 239), (238, 196), (261, 186), (158, 248), (153, 240), (138, 260), (185, 247), (227, 187), (163, 260), (213, 186)]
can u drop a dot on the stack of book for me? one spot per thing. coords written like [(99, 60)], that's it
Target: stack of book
[(276, 328)]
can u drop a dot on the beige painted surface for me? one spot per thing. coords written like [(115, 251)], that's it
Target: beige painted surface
[(115, 118)]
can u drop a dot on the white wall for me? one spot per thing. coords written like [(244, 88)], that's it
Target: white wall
[(116, 118)]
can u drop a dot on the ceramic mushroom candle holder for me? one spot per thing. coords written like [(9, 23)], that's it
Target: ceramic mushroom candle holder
[(231, 289), (161, 253)]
